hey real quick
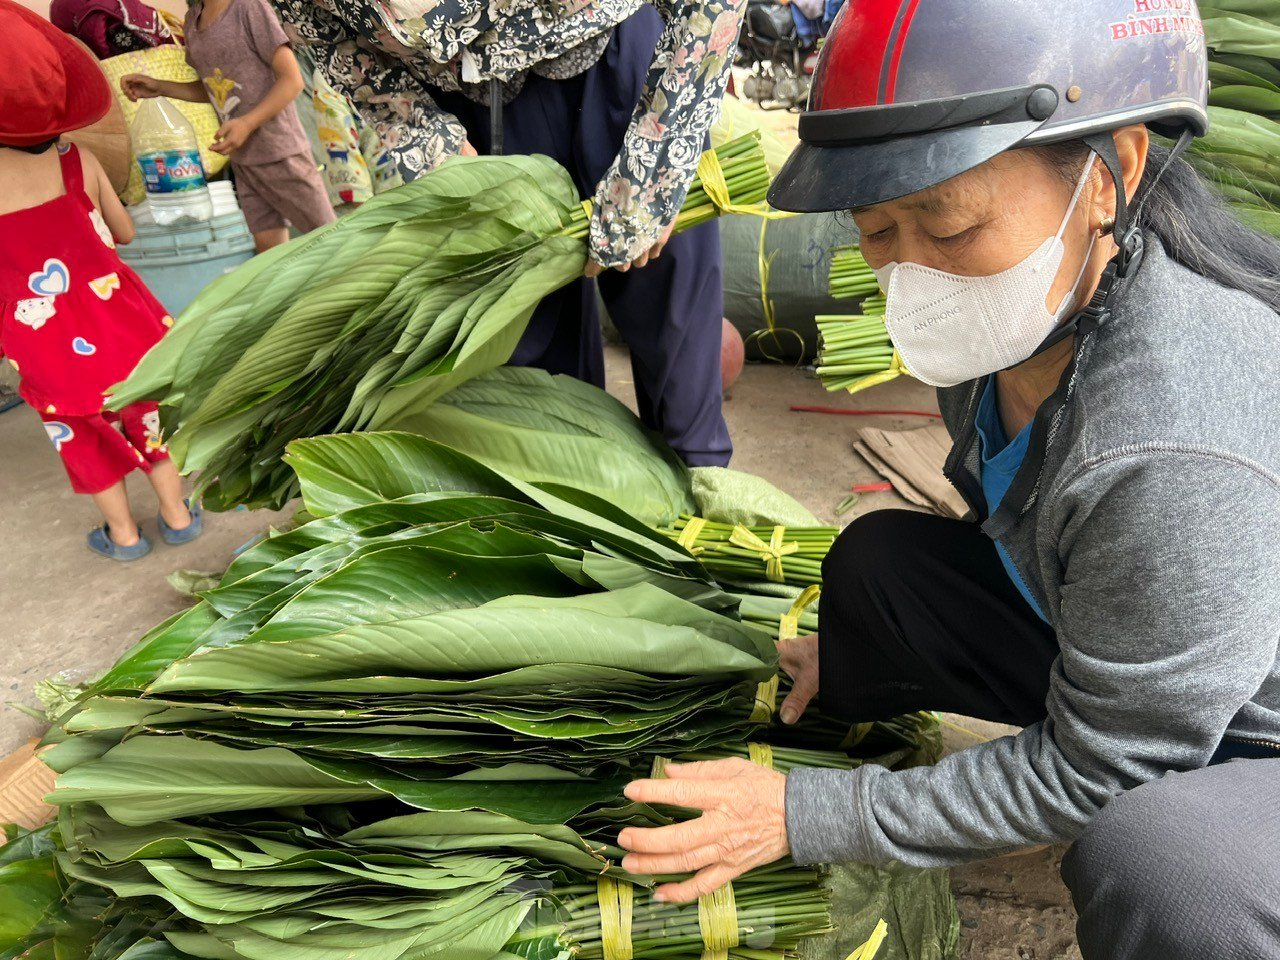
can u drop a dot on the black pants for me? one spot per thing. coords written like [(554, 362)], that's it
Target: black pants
[(918, 613)]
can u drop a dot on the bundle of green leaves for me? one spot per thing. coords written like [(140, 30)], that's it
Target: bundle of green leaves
[(401, 730), (1241, 153), (378, 315), (531, 425), (405, 725)]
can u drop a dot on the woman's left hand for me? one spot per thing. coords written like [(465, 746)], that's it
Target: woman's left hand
[(743, 825), (594, 269)]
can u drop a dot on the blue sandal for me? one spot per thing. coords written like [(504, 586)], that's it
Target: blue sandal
[(100, 542), (176, 538)]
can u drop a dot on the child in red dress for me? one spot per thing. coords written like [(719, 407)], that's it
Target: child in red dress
[(74, 319)]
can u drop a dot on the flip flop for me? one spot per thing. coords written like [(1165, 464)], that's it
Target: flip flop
[(100, 542), (176, 538)]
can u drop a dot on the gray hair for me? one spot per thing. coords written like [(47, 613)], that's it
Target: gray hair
[(1193, 222)]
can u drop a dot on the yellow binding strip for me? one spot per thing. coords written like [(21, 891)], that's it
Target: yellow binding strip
[(718, 921), (761, 754), (615, 899), (711, 173), (869, 949), (896, 369), (689, 535), (789, 625), (766, 700), (771, 553)]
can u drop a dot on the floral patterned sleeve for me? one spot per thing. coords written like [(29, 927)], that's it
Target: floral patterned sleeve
[(416, 134), (643, 190)]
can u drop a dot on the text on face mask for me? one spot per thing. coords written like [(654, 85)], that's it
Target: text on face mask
[(936, 318)]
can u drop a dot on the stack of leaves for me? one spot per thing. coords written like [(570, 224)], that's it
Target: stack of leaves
[(850, 275), (327, 881), (1241, 153), (46, 915), (405, 725), (531, 425), (735, 553), (378, 315)]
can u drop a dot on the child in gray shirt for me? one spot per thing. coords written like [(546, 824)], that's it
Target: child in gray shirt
[(249, 73)]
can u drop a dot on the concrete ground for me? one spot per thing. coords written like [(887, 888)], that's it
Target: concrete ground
[(67, 611)]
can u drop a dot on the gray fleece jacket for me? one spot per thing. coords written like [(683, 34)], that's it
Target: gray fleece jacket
[(1149, 533)]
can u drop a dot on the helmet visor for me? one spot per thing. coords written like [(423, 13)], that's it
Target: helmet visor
[(837, 177)]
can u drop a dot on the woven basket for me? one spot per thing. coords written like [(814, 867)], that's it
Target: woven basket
[(108, 140), (168, 62)]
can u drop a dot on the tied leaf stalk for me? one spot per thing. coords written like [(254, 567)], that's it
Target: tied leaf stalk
[(850, 275), (854, 347), (735, 553)]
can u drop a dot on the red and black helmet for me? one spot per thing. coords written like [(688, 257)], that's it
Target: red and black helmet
[(909, 93)]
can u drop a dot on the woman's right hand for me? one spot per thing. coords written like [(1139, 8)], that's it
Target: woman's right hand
[(800, 661), (138, 86)]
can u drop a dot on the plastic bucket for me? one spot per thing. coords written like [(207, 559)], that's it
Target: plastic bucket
[(178, 261)]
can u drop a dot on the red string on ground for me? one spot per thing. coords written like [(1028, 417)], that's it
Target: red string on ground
[(800, 408), (883, 487)]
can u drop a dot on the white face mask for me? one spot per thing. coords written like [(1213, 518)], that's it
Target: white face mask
[(949, 329)]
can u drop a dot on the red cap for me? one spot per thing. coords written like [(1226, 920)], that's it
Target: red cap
[(48, 85)]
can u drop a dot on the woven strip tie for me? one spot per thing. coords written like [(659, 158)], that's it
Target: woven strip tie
[(689, 535), (766, 700), (771, 553), (718, 922), (615, 917), (789, 625), (764, 264), (869, 949), (855, 736), (711, 173), (896, 369), (761, 754)]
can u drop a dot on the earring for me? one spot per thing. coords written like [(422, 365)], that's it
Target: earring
[(1107, 226)]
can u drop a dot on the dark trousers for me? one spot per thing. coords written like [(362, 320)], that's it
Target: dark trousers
[(918, 613), (670, 312)]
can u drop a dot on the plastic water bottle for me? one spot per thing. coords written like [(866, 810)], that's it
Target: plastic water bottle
[(166, 148)]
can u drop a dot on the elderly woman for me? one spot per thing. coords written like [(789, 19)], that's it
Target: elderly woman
[(1105, 340)]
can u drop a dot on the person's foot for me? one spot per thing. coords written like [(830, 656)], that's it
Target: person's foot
[(176, 517), (102, 542), (177, 535)]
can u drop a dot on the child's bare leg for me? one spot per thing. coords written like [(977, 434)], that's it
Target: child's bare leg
[(167, 484), (264, 240), (114, 506)]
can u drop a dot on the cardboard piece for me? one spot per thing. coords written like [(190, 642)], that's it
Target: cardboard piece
[(912, 461), (24, 783)]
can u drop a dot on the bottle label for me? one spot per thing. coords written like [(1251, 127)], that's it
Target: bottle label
[(171, 171)]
